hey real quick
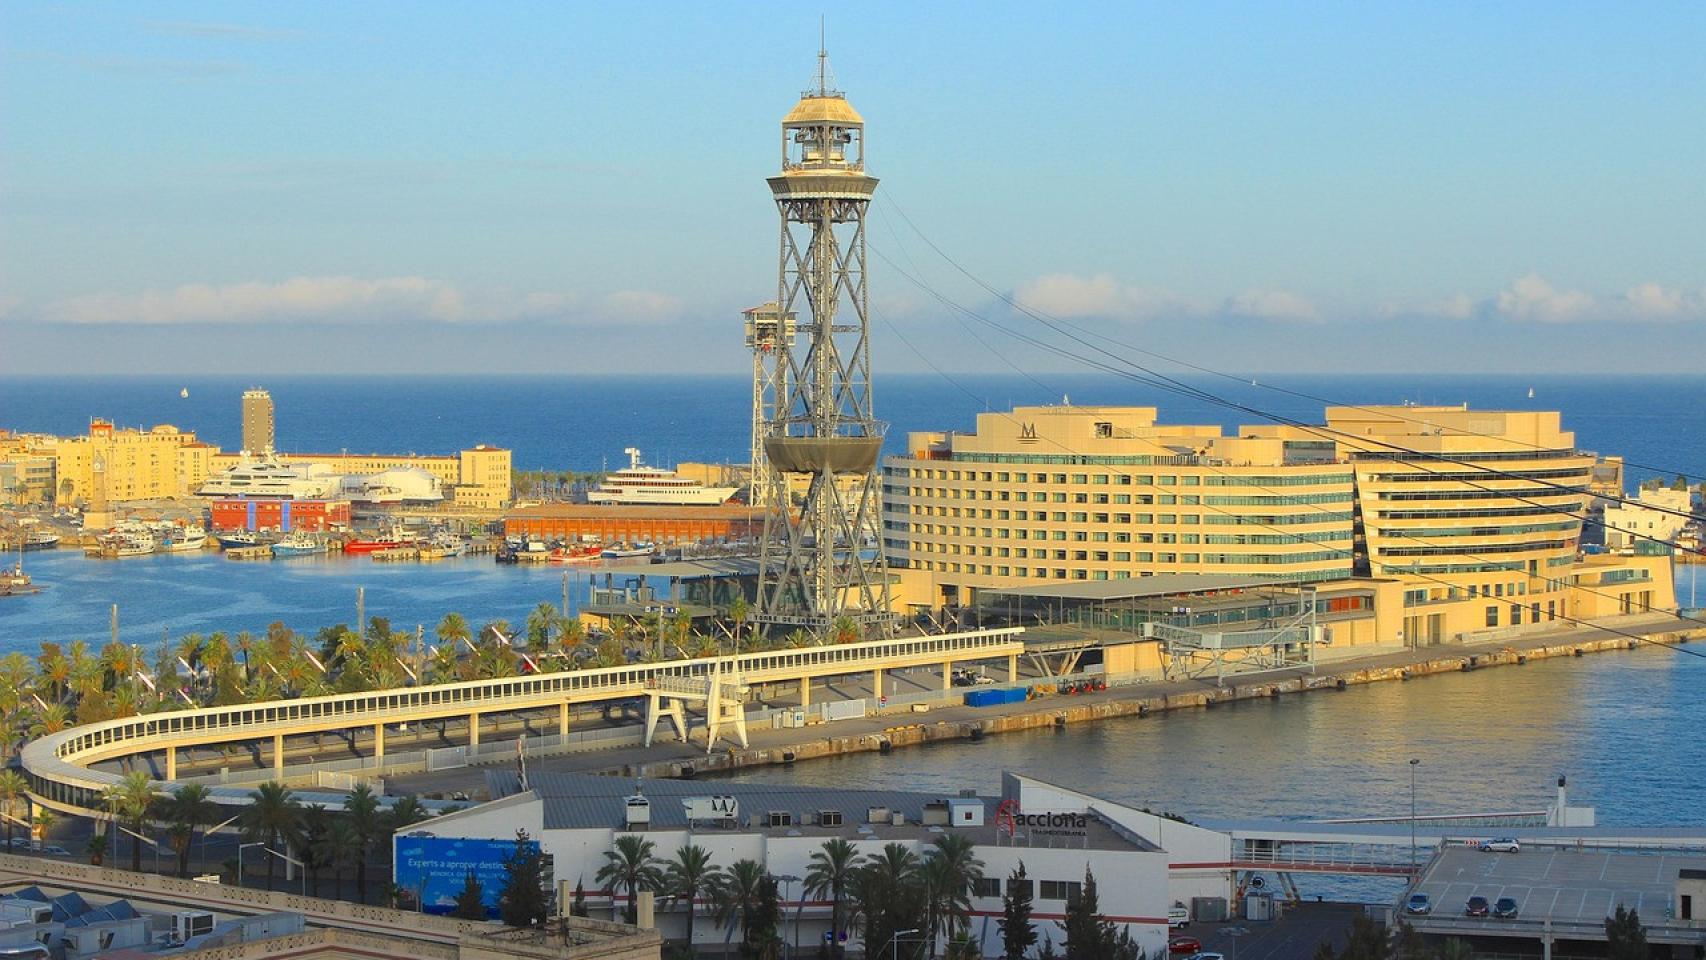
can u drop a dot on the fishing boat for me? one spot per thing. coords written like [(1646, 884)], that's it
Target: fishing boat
[(15, 582), (124, 543), (299, 544), (238, 539), (621, 550), (576, 554), (531, 551), (441, 546), (184, 539), (390, 540)]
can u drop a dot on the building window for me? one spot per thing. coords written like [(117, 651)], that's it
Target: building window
[(1013, 885), (1492, 616), (1060, 890), (986, 887), (1516, 614)]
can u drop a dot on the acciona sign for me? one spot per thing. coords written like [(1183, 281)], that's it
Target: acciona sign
[(1009, 818)]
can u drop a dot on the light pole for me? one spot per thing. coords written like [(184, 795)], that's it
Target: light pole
[(301, 867), (894, 942), (210, 831), (1414, 763), (790, 879)]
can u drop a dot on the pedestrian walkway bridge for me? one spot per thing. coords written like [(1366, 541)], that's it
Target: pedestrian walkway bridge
[(58, 766)]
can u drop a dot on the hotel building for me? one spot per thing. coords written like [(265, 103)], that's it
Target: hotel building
[(1477, 514)]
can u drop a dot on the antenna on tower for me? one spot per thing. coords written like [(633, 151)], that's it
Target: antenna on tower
[(825, 80)]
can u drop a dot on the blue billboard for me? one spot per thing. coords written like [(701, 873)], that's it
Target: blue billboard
[(435, 869)]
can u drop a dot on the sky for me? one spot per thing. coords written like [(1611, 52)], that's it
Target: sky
[(554, 187)]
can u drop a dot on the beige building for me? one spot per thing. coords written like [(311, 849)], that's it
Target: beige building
[(259, 431), (138, 464), (1652, 515), (1476, 514)]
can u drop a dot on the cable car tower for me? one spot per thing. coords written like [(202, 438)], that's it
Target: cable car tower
[(812, 568)]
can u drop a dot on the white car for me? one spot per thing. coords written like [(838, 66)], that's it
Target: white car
[(1178, 916), (1501, 845)]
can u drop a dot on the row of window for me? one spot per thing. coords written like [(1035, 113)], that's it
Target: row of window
[(1476, 549), (1522, 511), (1471, 475), (1042, 890), (1523, 493), (1516, 613), (1063, 573), (1123, 479), (1502, 531)]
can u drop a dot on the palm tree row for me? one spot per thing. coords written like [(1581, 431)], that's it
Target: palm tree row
[(890, 891), (66, 685)]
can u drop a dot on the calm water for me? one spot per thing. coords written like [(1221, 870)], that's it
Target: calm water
[(580, 422), (1625, 728)]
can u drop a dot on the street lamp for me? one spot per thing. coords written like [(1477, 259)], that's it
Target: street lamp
[(1414, 763), (301, 867), (210, 831), (894, 942), (790, 879)]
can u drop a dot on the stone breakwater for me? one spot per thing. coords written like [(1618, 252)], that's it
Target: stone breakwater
[(1132, 701)]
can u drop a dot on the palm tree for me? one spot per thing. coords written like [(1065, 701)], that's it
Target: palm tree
[(336, 849), (739, 610), (738, 894), (951, 870), (96, 849), (453, 629), (405, 812), (571, 637), (272, 813), (885, 892), (541, 624), (44, 821), (844, 630), (689, 876), (799, 637), (135, 801), (829, 870), (13, 788), (188, 808), (310, 840), (364, 820), (632, 867)]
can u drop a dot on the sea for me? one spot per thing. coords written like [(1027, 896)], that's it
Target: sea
[(1624, 727)]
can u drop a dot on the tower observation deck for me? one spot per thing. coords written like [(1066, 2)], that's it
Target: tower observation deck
[(814, 567)]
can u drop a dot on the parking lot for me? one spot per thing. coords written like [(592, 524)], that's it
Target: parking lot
[(1566, 885)]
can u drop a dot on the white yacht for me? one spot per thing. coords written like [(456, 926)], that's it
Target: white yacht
[(183, 539), (269, 479), (640, 484)]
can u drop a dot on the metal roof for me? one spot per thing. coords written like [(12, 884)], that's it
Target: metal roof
[(578, 800), (1160, 585), (683, 569)]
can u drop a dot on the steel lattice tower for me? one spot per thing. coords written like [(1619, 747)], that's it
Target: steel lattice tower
[(769, 335), (812, 568)]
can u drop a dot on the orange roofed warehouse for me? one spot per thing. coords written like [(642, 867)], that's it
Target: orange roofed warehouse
[(612, 523)]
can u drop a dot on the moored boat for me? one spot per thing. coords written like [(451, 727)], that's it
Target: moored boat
[(390, 540), (622, 550), (40, 540), (441, 546), (640, 484), (299, 544), (184, 539), (576, 554), (239, 539)]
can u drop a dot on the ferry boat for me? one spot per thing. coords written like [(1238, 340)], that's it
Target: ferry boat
[(270, 479), (299, 544), (640, 485), (395, 537), (41, 540), (184, 539)]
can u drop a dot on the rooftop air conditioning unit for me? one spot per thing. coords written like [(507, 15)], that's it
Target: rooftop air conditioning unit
[(191, 923), (829, 818), (637, 812)]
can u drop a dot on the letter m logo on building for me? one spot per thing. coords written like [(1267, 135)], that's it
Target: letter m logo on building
[(1027, 433)]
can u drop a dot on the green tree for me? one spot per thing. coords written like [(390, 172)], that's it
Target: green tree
[(13, 788), (1409, 943), (954, 870), (739, 610), (522, 902), (470, 903), (310, 842), (1625, 938), (889, 896), (1454, 948), (272, 816), (1367, 940), (1088, 934), (632, 867), (688, 877), (96, 848), (577, 904), (1018, 935), (336, 849), (135, 802), (362, 809), (188, 809), (737, 895), (827, 874)]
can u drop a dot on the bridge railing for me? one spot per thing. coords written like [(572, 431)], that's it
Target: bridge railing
[(51, 763)]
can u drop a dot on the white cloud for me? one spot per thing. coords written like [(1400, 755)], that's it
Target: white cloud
[(1652, 300), (1532, 298), (1272, 305), (344, 300), (1069, 295)]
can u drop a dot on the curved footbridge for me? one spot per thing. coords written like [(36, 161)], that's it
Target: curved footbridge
[(62, 770)]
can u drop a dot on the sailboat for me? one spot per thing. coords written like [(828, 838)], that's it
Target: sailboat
[(1531, 393), (185, 393)]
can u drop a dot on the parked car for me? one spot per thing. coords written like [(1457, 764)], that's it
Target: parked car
[(1207, 956), (1184, 945), (20, 843), (1178, 915), (1501, 845), (1476, 907), (1419, 904), (1504, 908), (55, 850)]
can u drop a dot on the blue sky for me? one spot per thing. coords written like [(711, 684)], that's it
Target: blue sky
[(511, 187)]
